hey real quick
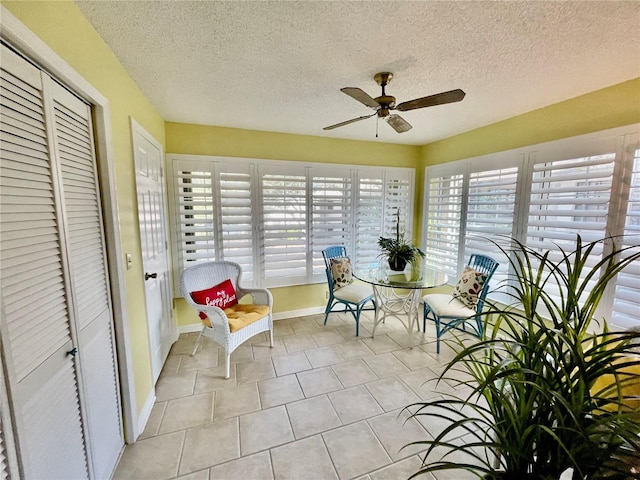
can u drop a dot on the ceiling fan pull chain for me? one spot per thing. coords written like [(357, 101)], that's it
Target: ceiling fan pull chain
[(377, 118)]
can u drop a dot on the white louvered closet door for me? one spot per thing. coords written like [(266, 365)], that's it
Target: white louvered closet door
[(88, 275), (53, 282), (8, 461)]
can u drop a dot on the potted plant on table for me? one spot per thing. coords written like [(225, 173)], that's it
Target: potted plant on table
[(398, 251), (544, 396)]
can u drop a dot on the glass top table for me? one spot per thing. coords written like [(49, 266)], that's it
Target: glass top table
[(398, 294)]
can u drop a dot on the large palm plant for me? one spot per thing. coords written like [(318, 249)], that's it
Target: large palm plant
[(532, 406)]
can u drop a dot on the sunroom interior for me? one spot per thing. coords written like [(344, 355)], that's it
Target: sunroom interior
[(273, 199)]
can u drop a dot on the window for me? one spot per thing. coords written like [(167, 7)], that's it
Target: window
[(627, 286), (568, 197), (542, 196), (490, 210), (285, 231), (236, 220), (443, 215), (331, 213), (274, 218)]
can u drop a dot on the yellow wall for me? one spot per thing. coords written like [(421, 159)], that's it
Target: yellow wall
[(62, 26), (611, 107), (233, 142)]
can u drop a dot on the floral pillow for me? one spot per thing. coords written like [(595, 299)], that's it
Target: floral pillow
[(341, 272), (469, 287)]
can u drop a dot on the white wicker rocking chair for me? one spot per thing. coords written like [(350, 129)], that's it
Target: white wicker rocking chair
[(245, 322)]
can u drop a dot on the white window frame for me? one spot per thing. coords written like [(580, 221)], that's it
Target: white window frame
[(620, 141), (397, 186)]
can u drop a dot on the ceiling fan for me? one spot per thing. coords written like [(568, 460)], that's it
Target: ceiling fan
[(385, 103)]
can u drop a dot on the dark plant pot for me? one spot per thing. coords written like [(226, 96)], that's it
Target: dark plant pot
[(397, 265)]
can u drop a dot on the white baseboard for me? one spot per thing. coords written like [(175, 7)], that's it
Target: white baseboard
[(298, 313), (143, 418), (196, 327), (192, 327)]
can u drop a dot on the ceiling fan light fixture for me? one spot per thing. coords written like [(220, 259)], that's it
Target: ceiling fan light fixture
[(385, 103)]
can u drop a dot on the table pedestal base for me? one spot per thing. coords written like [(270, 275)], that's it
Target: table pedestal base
[(403, 306)]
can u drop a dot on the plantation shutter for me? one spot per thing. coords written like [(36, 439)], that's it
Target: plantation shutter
[(397, 200), (283, 193), (490, 216), (569, 196), (274, 218), (35, 293), (369, 219), (443, 214), (237, 220), (331, 215), (194, 213), (626, 301)]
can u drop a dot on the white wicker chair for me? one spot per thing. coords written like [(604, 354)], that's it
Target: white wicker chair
[(206, 275)]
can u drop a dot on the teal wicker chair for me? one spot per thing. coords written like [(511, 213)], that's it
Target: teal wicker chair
[(353, 297), (449, 312)]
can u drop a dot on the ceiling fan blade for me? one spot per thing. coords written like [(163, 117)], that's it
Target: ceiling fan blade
[(432, 100), (353, 120), (361, 96), (398, 123)]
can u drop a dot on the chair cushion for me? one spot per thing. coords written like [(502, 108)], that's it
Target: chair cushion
[(241, 314), (469, 286), (629, 378), (222, 295), (353, 293), (445, 305), (341, 272)]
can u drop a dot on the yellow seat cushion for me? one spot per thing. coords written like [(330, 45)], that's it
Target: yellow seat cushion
[(629, 377), (241, 315)]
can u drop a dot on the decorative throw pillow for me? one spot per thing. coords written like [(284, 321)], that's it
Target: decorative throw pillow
[(341, 272), (469, 286), (222, 296)]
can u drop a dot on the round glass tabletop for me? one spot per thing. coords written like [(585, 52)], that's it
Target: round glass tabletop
[(383, 276)]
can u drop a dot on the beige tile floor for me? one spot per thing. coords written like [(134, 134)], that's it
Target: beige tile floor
[(322, 404)]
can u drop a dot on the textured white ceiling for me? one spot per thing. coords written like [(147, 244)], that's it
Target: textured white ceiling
[(279, 65)]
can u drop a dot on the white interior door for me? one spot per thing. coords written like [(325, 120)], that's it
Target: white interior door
[(154, 243)]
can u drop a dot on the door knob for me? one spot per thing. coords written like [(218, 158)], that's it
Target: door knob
[(147, 276)]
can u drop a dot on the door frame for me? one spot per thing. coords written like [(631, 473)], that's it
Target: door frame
[(136, 127), (17, 34)]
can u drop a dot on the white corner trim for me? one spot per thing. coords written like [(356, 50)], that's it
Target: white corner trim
[(20, 37), (143, 418)]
